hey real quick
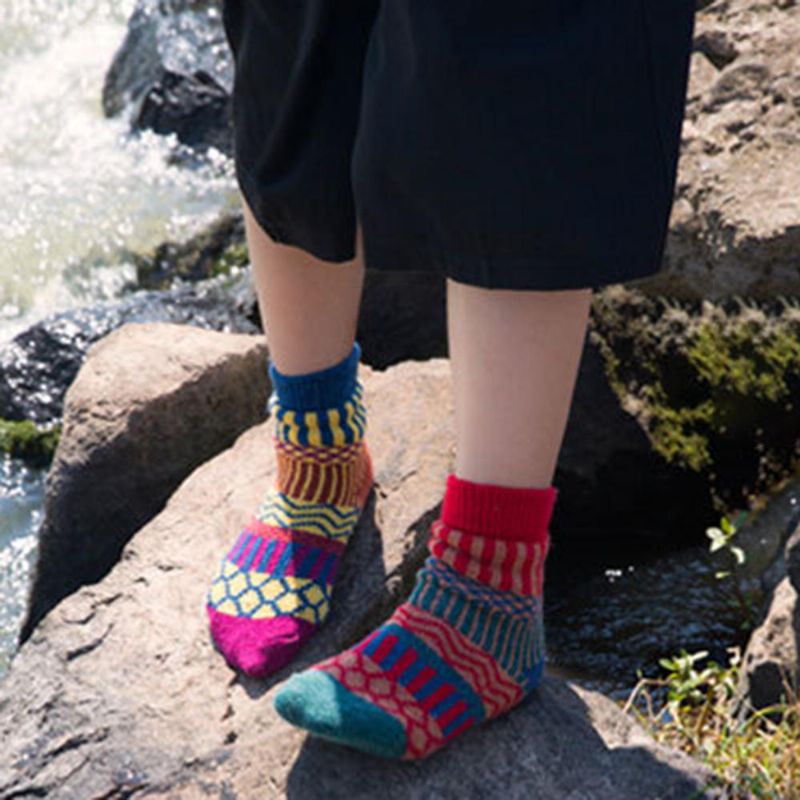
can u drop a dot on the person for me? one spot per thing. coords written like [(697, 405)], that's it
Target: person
[(526, 152)]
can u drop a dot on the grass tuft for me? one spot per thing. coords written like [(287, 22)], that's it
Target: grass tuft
[(693, 709)]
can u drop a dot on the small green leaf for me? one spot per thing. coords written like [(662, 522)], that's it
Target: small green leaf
[(717, 544)]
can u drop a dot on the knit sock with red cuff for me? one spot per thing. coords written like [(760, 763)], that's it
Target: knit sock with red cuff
[(467, 646)]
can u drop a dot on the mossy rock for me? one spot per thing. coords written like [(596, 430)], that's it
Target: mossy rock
[(24, 439), (713, 385), (220, 249)]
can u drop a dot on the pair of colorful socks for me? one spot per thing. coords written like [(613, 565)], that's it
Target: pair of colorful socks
[(468, 644)]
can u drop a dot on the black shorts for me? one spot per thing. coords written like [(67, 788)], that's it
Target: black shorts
[(509, 144)]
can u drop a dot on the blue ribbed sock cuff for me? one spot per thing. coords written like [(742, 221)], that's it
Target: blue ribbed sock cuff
[(326, 388)]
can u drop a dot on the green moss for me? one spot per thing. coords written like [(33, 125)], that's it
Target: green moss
[(24, 439), (745, 361), (712, 385), (234, 256)]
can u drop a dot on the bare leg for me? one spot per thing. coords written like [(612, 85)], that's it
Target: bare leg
[(309, 307), (272, 590), (468, 643), (515, 357)]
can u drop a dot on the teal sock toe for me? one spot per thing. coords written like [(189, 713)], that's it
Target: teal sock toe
[(318, 703)]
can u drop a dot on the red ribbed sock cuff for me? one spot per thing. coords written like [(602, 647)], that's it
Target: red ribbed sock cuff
[(506, 512)]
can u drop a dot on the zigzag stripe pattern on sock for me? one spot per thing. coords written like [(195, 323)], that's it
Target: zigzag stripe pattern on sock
[(323, 519), (467, 646), (273, 588), (510, 629)]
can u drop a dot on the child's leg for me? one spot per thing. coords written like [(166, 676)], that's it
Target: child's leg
[(273, 587), (469, 644), (309, 308), (514, 357)]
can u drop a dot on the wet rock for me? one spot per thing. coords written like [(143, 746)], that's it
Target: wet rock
[(793, 559), (173, 72), (38, 365), (194, 107), (27, 441), (135, 426), (216, 250), (119, 690)]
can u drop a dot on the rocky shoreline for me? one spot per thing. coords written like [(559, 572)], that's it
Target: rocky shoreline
[(686, 394), (119, 692)]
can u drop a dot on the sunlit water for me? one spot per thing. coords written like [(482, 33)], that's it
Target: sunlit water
[(76, 191), (76, 188), (21, 491)]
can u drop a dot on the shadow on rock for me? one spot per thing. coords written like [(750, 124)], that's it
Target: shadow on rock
[(561, 742)]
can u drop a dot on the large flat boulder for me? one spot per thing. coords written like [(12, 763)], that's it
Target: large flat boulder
[(152, 402), (119, 692)]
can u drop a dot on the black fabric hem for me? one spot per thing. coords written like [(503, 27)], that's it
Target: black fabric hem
[(272, 220), (533, 273)]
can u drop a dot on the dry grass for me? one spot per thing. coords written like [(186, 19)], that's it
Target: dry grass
[(691, 709)]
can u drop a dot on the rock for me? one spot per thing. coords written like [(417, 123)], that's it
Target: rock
[(25, 440), (772, 659), (172, 71), (38, 365), (403, 316), (716, 45), (135, 426), (793, 559), (214, 251), (120, 693), (194, 107), (773, 653), (735, 228)]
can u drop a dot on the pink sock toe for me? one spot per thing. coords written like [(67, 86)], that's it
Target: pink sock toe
[(258, 647)]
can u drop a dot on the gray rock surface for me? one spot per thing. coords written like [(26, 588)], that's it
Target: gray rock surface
[(735, 226), (137, 423), (119, 692), (38, 365), (771, 666)]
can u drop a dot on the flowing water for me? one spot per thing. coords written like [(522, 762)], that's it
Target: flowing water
[(21, 491), (76, 191)]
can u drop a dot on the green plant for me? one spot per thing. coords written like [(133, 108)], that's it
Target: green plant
[(723, 541), (753, 757)]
